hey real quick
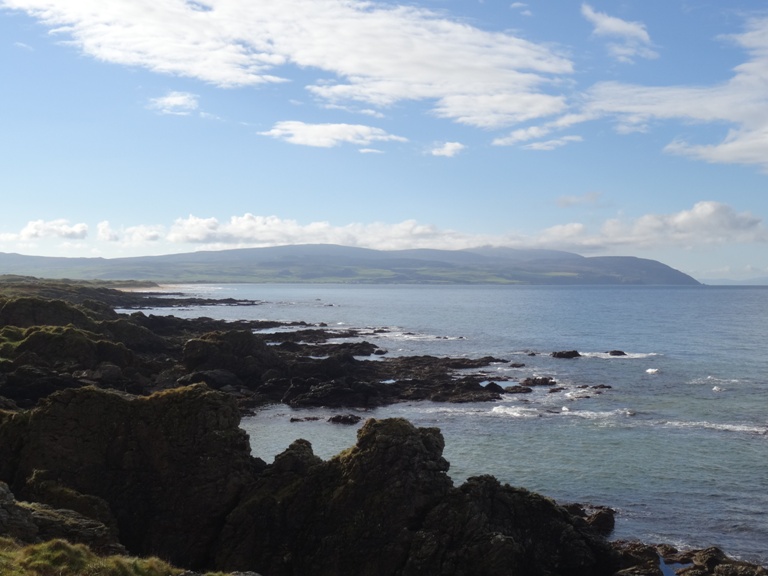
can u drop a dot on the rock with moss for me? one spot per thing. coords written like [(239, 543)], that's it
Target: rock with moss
[(170, 466), (387, 506)]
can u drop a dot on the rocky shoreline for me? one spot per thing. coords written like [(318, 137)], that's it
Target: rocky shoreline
[(121, 431)]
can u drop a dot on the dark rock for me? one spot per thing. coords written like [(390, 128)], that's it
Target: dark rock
[(74, 527), (602, 520), (26, 385), (643, 559), (238, 351), (15, 521), (539, 381), (169, 467), (494, 387), (493, 526), (25, 312), (518, 389), (349, 419), (566, 354), (216, 379), (517, 365), (617, 353), (7, 403)]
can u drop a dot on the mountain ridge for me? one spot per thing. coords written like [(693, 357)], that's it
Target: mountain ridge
[(302, 263)]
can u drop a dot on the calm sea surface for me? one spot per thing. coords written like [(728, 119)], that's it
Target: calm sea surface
[(678, 445)]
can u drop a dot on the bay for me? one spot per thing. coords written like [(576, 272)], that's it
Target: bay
[(678, 444)]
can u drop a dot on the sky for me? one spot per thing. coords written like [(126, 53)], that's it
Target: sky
[(608, 127)]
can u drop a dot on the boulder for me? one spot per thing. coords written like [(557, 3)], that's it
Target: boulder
[(566, 354), (348, 419)]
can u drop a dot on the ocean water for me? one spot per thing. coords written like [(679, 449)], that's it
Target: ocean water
[(678, 444)]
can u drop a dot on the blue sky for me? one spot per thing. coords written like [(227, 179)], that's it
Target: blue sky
[(623, 127)]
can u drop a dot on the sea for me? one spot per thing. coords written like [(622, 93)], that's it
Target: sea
[(673, 435)]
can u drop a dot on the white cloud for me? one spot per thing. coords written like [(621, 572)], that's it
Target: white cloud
[(105, 232), (329, 135), (706, 223), (706, 226), (523, 135), (142, 234), (252, 230), (53, 228), (366, 52), (553, 144), (175, 103), (741, 102), (635, 41), (448, 149)]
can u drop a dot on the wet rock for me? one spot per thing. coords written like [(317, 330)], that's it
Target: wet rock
[(617, 353), (348, 419), (518, 389), (539, 381), (566, 354), (494, 387)]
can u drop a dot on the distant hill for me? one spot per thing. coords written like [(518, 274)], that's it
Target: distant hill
[(331, 263)]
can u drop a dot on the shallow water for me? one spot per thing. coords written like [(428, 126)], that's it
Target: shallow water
[(678, 444)]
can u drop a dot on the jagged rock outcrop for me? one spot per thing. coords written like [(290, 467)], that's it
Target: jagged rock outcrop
[(638, 559), (173, 472), (170, 467), (238, 351), (32, 522)]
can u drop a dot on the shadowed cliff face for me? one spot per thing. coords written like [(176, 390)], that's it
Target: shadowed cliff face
[(176, 473), (169, 467)]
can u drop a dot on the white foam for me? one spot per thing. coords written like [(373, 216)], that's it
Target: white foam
[(625, 356), (652, 371), (515, 412), (602, 415), (722, 427)]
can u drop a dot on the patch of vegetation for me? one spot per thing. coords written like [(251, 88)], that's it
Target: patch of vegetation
[(61, 558)]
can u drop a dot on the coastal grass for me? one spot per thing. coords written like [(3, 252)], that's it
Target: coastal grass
[(62, 558)]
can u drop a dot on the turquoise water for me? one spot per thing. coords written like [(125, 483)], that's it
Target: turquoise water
[(678, 445)]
